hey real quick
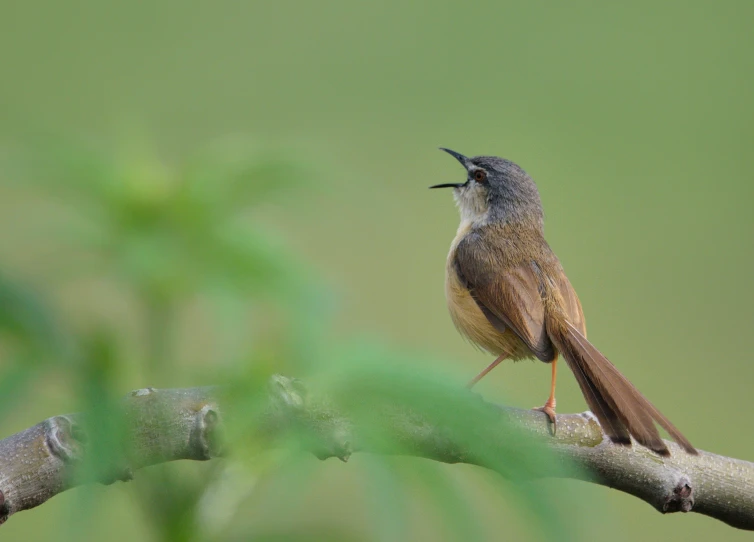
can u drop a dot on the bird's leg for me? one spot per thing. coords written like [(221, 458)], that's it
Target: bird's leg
[(491, 366), (549, 407)]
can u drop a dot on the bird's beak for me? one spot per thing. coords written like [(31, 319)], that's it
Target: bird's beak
[(447, 185), (461, 158), (457, 155)]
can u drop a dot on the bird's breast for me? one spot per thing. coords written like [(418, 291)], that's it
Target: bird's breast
[(469, 318)]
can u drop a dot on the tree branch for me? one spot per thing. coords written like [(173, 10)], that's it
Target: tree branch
[(171, 424)]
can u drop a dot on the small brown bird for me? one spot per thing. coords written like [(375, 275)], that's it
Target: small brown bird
[(507, 292)]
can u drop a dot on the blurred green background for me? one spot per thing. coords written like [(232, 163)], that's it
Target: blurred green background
[(635, 119)]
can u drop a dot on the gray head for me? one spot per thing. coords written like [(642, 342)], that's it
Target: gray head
[(496, 190)]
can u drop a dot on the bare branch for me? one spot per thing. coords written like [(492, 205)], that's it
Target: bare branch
[(171, 424)]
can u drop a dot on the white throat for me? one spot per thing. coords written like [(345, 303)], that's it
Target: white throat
[(472, 204)]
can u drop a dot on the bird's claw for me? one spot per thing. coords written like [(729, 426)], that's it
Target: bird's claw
[(550, 411)]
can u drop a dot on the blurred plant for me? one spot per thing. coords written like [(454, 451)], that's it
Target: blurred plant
[(30, 339), (170, 236)]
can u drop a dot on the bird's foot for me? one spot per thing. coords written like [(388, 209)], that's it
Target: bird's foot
[(549, 409)]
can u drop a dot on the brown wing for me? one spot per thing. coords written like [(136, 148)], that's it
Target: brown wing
[(506, 293), (572, 305)]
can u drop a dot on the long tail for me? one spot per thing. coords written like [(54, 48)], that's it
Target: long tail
[(620, 408)]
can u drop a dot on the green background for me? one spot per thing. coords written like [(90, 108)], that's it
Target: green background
[(636, 120)]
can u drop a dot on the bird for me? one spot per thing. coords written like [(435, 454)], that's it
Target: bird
[(507, 293)]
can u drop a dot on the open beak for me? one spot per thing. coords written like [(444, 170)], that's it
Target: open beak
[(457, 155), (461, 158), (447, 185)]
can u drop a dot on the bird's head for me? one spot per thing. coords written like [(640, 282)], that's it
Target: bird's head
[(495, 190)]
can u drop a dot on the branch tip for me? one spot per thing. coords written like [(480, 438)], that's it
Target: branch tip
[(205, 434), (681, 499), (345, 452), (126, 474), (142, 392), (65, 438), (291, 392)]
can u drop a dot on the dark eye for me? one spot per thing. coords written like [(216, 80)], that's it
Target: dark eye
[(480, 175)]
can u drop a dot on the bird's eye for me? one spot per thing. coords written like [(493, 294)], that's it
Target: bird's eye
[(480, 175)]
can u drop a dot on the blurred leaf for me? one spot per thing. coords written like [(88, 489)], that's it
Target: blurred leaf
[(453, 506), (388, 503), (78, 172), (30, 338), (174, 234), (238, 173), (294, 534), (14, 383), (102, 414), (25, 319), (367, 377), (169, 496)]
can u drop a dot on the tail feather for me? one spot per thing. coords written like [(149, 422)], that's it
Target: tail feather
[(620, 408)]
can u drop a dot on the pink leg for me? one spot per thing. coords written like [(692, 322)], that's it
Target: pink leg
[(549, 407), (481, 375)]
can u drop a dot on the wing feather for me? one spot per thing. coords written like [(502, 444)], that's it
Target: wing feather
[(506, 294)]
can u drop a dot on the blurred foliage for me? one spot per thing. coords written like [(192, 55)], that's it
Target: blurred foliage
[(634, 118), (30, 340), (170, 235)]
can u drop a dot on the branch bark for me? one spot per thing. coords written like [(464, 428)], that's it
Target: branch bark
[(170, 424)]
